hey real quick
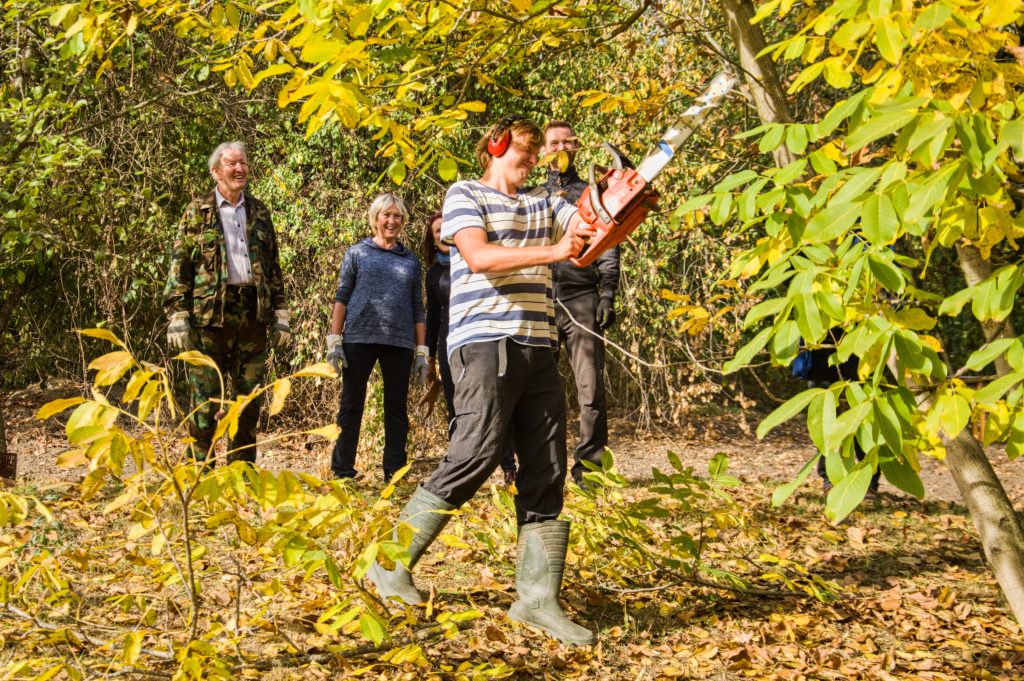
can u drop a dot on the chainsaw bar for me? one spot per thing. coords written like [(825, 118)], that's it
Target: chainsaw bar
[(691, 119)]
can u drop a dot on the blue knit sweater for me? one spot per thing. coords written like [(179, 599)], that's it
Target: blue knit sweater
[(382, 293)]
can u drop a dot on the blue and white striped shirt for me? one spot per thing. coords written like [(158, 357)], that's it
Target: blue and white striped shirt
[(517, 305)]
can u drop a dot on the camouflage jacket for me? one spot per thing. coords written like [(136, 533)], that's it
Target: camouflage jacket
[(199, 271)]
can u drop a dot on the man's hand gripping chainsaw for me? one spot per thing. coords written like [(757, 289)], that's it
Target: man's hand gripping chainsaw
[(620, 200)]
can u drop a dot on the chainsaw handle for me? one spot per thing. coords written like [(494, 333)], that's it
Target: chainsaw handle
[(595, 193)]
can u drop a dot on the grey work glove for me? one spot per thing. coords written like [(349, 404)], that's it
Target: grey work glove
[(420, 365), (281, 330), (605, 313), (335, 352), (179, 333)]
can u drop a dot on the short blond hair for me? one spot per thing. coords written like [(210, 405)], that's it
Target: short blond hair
[(383, 201)]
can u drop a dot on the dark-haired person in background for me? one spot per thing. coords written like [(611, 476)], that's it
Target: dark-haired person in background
[(436, 256), (588, 293)]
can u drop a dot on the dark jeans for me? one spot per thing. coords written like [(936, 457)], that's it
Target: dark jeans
[(395, 366), (508, 462), (586, 356), (502, 390)]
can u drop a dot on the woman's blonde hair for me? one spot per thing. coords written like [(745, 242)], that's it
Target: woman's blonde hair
[(383, 201)]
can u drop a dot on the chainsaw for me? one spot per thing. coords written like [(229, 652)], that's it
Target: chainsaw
[(616, 203)]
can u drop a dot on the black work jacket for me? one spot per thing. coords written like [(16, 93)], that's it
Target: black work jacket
[(602, 276)]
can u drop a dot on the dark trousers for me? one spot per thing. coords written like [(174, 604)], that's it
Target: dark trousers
[(508, 462), (586, 357), (239, 349), (395, 366), (502, 390)]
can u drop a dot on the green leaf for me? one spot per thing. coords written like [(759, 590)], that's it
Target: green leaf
[(849, 492), (877, 127), (902, 475), (766, 308), (396, 171), (784, 491), (994, 391), (787, 410), (747, 352), (888, 274), (365, 560), (988, 353), (772, 138), (889, 40), (831, 223), (955, 413), (856, 183), (889, 425), (952, 305), (718, 465), (447, 169), (879, 223), (786, 343), (372, 627)]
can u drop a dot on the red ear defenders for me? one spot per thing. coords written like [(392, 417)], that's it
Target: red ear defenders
[(500, 140)]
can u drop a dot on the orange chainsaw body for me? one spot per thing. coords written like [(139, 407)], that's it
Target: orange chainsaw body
[(622, 201)]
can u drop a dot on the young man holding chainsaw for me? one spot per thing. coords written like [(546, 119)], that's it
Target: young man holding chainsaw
[(501, 344), (584, 306)]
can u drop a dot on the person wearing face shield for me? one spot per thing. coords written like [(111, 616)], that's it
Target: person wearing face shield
[(224, 296)]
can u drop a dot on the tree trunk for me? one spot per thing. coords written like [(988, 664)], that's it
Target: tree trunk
[(997, 522), (999, 526), (977, 269), (759, 73)]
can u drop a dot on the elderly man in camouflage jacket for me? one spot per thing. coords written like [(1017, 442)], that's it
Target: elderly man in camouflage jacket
[(224, 293)]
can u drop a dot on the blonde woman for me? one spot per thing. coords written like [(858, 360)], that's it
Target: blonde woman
[(378, 318)]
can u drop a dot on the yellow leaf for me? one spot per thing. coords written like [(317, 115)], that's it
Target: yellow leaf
[(111, 366), (474, 107), (102, 334), (196, 358), (281, 389), (360, 20), (329, 432), (73, 457), (318, 370), (522, 5), (57, 406)]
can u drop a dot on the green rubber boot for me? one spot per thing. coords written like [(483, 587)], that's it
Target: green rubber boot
[(540, 563), (422, 514)]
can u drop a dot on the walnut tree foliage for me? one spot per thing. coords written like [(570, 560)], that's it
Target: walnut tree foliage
[(921, 155)]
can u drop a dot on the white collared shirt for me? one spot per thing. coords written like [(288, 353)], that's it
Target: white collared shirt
[(233, 220)]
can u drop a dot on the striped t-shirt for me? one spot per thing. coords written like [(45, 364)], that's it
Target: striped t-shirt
[(519, 304)]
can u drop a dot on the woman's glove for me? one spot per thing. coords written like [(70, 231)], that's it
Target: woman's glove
[(420, 366), (335, 352)]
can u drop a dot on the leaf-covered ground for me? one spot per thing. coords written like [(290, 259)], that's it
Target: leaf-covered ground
[(916, 600)]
